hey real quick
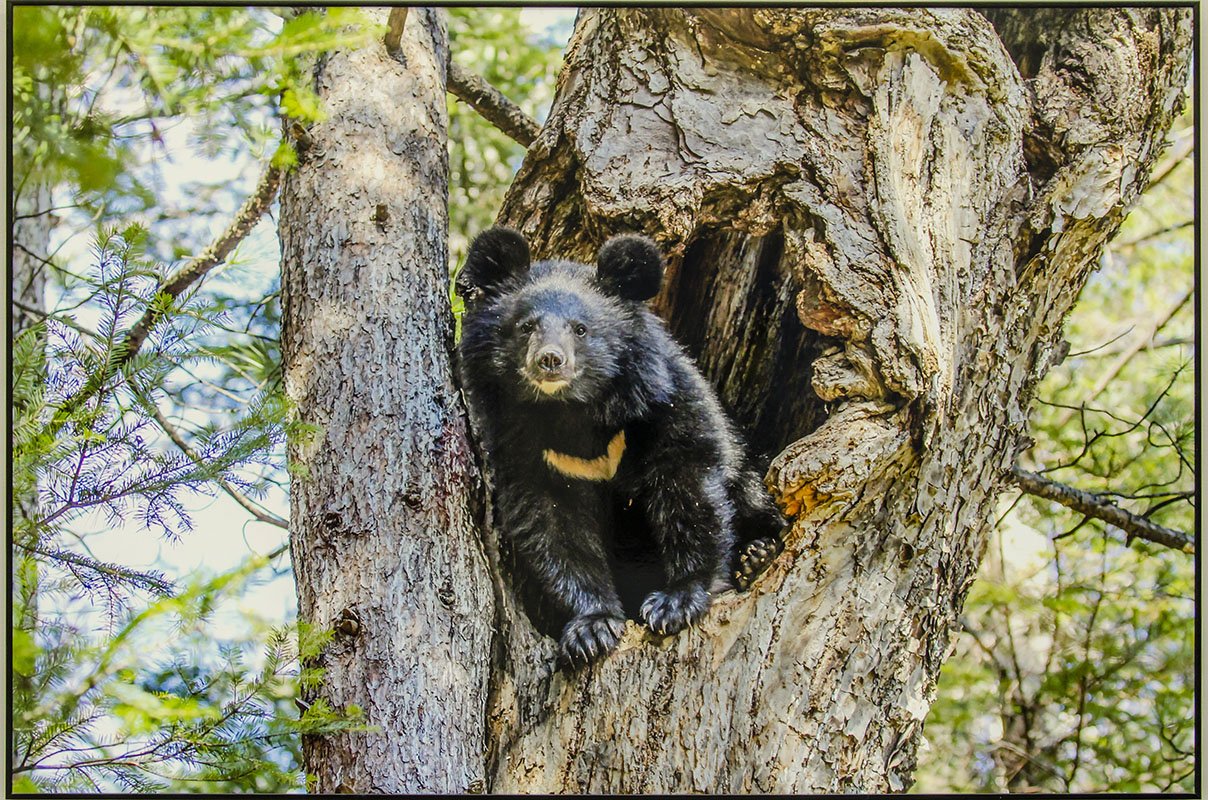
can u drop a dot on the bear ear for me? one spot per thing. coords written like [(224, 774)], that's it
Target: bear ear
[(630, 267), (495, 255)]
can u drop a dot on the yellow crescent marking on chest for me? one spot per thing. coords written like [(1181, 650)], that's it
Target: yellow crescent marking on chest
[(589, 469)]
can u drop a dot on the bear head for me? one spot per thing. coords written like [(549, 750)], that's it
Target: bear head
[(564, 330)]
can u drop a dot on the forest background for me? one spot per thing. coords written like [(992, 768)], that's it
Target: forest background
[(153, 627)]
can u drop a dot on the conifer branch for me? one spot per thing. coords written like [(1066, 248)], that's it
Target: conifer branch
[(174, 286), (239, 497)]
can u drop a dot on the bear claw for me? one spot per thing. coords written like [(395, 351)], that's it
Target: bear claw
[(673, 610), (755, 558), (590, 637)]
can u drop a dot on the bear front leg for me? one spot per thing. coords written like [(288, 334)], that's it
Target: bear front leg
[(691, 519), (560, 542)]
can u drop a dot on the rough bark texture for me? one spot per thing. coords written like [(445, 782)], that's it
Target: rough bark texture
[(877, 223), (382, 533)]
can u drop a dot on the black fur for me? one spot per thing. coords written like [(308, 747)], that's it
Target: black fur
[(683, 516)]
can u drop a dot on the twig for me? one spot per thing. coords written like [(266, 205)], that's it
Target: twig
[(1181, 150), (1145, 237), (394, 30), (236, 495), (1126, 356), (1096, 506), (490, 103)]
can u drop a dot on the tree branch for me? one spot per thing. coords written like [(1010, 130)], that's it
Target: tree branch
[(490, 103), (1181, 150), (236, 495), (249, 214), (1137, 346), (1100, 508), (470, 88), (174, 285), (394, 33)]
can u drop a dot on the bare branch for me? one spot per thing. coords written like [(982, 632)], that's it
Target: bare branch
[(394, 33), (1181, 150), (1137, 346), (1098, 507), (491, 104), (1145, 237), (249, 214)]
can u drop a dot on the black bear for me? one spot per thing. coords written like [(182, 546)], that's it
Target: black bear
[(620, 483)]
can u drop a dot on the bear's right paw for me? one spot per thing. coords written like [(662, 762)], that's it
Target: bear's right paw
[(590, 637), (755, 558)]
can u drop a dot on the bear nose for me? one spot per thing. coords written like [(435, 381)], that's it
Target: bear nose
[(551, 360)]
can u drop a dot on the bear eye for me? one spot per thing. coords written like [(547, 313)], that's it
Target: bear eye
[(580, 329), (527, 326)]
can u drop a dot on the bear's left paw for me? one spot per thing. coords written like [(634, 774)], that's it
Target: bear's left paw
[(675, 609), (590, 637)]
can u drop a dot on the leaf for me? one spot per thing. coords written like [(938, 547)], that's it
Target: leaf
[(25, 652)]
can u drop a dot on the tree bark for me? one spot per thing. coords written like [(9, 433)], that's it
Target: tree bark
[(382, 531), (877, 205), (876, 221), (31, 227)]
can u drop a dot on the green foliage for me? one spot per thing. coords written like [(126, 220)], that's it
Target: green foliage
[(90, 712), (1075, 672), (121, 678), (91, 715), (98, 453), (98, 91)]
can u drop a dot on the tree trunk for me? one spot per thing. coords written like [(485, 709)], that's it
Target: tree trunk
[(876, 221), (877, 205), (32, 224), (382, 534)]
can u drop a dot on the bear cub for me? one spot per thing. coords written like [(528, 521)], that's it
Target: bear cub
[(620, 483)]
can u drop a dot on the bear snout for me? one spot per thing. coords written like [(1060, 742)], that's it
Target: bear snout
[(551, 360), (550, 366)]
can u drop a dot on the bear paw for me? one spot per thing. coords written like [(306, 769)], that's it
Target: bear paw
[(673, 610), (590, 637), (754, 558)]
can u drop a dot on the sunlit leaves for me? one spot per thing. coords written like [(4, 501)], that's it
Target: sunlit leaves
[(100, 91), (195, 715)]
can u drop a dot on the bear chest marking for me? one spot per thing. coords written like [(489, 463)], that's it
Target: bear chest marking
[(601, 468)]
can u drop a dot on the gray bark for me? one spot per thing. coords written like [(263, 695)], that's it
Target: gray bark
[(382, 533), (876, 221)]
